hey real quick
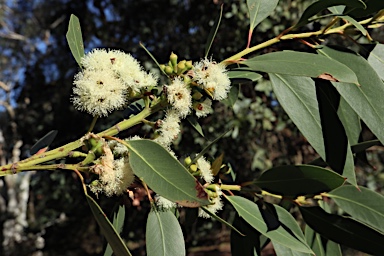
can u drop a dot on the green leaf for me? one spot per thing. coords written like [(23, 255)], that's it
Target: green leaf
[(345, 231), (314, 240), (350, 120), (356, 24), (289, 222), (118, 224), (250, 212), (114, 240), (372, 7), (293, 181), (163, 235), (297, 95), (164, 174), (376, 59), (319, 6), (365, 145), (302, 64), (214, 216), (258, 11), (365, 205), (213, 32), (75, 39), (366, 99), (243, 74), (192, 120), (43, 143), (282, 250)]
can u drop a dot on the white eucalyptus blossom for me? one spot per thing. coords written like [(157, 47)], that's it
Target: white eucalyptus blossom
[(216, 205), (179, 96), (164, 202), (205, 169), (204, 108), (213, 78), (98, 92), (169, 129), (115, 176)]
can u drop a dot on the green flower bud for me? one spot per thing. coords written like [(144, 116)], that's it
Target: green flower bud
[(181, 67), (173, 59), (188, 160), (168, 70), (197, 95), (162, 67), (193, 168), (188, 64)]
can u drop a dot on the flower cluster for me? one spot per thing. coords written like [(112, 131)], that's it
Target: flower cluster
[(115, 172), (107, 80)]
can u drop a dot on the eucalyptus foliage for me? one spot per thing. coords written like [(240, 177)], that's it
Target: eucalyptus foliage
[(327, 92)]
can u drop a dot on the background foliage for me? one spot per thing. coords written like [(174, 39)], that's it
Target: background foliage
[(37, 69)]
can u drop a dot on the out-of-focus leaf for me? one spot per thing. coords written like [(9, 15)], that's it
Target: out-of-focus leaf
[(195, 125), (164, 174), (376, 59), (364, 205), (164, 236), (319, 6), (243, 74), (258, 11), (216, 165), (114, 240), (314, 241), (214, 216), (244, 245), (250, 212), (293, 181), (372, 7), (75, 39), (43, 143), (118, 223), (338, 9), (366, 99), (343, 230), (213, 32), (302, 64), (337, 150)]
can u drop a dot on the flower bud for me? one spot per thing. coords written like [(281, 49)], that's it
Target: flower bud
[(162, 67), (173, 59), (188, 64), (197, 95), (168, 70), (193, 168), (188, 160)]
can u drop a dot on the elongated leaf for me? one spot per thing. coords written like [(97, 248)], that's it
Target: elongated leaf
[(376, 59), (195, 125), (343, 230), (258, 11), (365, 205), (350, 120), (110, 233), (356, 24), (282, 250), (118, 223), (75, 39), (43, 143), (366, 99), (372, 7), (239, 74), (289, 222), (164, 174), (297, 95), (163, 235), (302, 64), (365, 145), (251, 214), (337, 149), (314, 241), (213, 32), (206, 148), (299, 180), (319, 6)]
